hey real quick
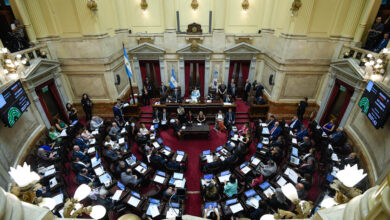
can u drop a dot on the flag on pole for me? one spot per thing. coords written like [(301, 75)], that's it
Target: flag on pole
[(127, 63), (172, 81), (215, 79)]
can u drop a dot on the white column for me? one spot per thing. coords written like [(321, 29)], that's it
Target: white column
[(40, 108), (324, 102), (352, 102), (138, 75), (227, 66), (252, 68), (162, 70), (181, 77), (60, 89), (207, 76)]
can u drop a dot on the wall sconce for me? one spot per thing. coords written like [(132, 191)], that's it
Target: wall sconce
[(91, 4), (10, 64), (245, 5), (144, 5), (296, 5), (194, 5), (376, 66)]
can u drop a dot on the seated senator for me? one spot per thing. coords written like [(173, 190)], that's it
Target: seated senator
[(82, 155), (112, 154), (128, 178), (190, 118), (295, 124), (85, 178), (275, 131), (219, 121), (329, 127), (195, 94), (231, 187), (201, 117), (59, 124), (177, 127), (230, 118), (54, 134), (96, 122), (335, 137)]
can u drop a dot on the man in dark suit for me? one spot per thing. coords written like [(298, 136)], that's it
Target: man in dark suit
[(233, 91), (79, 165), (156, 115), (230, 85), (112, 154), (271, 122), (176, 95), (177, 127), (117, 109), (305, 145), (82, 155), (259, 90), (163, 91), (275, 131), (80, 142), (157, 159), (222, 90), (302, 108), (141, 139), (259, 100), (230, 118), (164, 118), (307, 167), (84, 177), (351, 160), (336, 136), (295, 124), (247, 90)]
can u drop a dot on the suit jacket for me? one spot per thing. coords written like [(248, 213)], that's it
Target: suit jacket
[(259, 91), (81, 143), (271, 124), (306, 169), (276, 132), (84, 179), (141, 140), (230, 115), (222, 89), (157, 160), (163, 91), (177, 126), (176, 96), (112, 154), (247, 87), (129, 179), (192, 119), (156, 115), (296, 125), (161, 116), (79, 166), (117, 112), (83, 157), (233, 92)]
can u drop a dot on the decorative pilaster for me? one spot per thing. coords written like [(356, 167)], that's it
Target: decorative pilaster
[(37, 20), (40, 108), (182, 76), (225, 77), (60, 88), (137, 71), (219, 14), (352, 103), (162, 70), (252, 68), (206, 76), (121, 13), (352, 19), (324, 102), (21, 7), (369, 6), (170, 16), (269, 5)]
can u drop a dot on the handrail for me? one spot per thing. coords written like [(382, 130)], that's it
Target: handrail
[(349, 51), (38, 51)]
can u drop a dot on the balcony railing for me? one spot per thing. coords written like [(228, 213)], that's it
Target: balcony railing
[(348, 51), (39, 51)]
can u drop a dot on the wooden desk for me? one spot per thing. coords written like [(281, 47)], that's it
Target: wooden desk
[(160, 209), (201, 131), (166, 179), (132, 110), (258, 111), (207, 108)]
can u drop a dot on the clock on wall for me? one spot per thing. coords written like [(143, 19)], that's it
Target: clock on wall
[(194, 28)]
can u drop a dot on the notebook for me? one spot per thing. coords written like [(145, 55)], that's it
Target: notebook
[(133, 201), (159, 179), (117, 195), (236, 208)]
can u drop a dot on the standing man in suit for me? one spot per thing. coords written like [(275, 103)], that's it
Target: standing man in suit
[(230, 118), (259, 90), (302, 108), (247, 90), (176, 95), (163, 93), (230, 85), (222, 91), (164, 118), (117, 109), (233, 91)]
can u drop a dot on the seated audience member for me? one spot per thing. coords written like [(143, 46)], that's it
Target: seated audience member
[(169, 193), (214, 214), (295, 124), (278, 200), (276, 155), (275, 131), (121, 167), (259, 179), (85, 178), (45, 155), (219, 121), (233, 91), (302, 133), (156, 116), (80, 142), (82, 155), (115, 131), (181, 114), (112, 154), (228, 99), (211, 191), (259, 100), (195, 94), (230, 118), (329, 127), (86, 135), (271, 122), (305, 145), (335, 137), (268, 169), (108, 141), (201, 118), (190, 118), (59, 125), (307, 167), (157, 159), (231, 188), (164, 118), (95, 123), (128, 178), (222, 90), (177, 127), (244, 129), (383, 43), (306, 181), (312, 153), (79, 165), (261, 210), (141, 139), (351, 160), (103, 200), (301, 191), (144, 131), (119, 121), (176, 95), (54, 135)]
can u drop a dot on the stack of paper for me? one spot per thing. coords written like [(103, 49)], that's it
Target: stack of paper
[(140, 169), (236, 208), (121, 141), (153, 210), (99, 171), (172, 212), (95, 132), (281, 182), (255, 161), (245, 170), (269, 191), (50, 172), (159, 179), (91, 150), (253, 202), (292, 175), (209, 158), (117, 195), (224, 178), (179, 158), (123, 131), (92, 141)]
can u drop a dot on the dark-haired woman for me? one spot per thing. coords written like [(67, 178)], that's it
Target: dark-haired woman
[(72, 112), (87, 106)]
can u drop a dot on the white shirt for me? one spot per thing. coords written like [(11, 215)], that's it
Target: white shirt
[(144, 131)]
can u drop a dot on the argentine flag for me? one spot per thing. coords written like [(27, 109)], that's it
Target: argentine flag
[(127, 63), (215, 79), (172, 81)]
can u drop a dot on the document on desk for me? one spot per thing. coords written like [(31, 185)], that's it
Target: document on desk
[(292, 175), (91, 150), (172, 212), (105, 178), (269, 191), (235, 137), (92, 141), (63, 133), (294, 160), (209, 158), (236, 208), (99, 171), (253, 202), (334, 157), (156, 145), (224, 178), (227, 103), (263, 124), (255, 161), (53, 182), (153, 210), (180, 183), (265, 130), (50, 172), (95, 161), (330, 147), (179, 158), (324, 134), (95, 132), (159, 179), (133, 201), (140, 169), (166, 152), (59, 198), (123, 131), (294, 141), (291, 133), (121, 140), (117, 195), (265, 141), (246, 169), (281, 182)]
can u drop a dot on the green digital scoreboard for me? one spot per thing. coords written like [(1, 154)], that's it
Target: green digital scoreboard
[(13, 102)]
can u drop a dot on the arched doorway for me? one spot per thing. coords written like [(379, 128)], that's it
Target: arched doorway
[(239, 71), (194, 76), (151, 69)]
